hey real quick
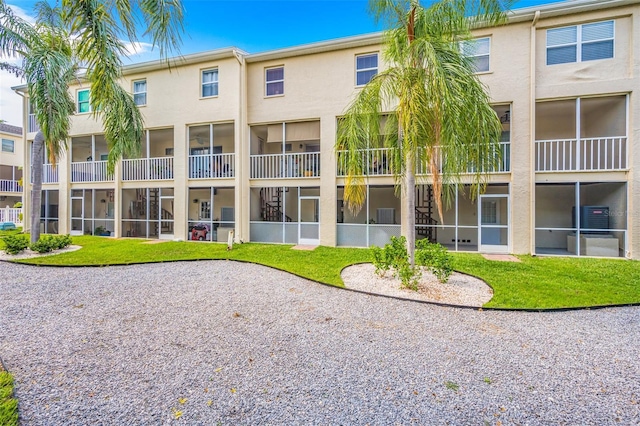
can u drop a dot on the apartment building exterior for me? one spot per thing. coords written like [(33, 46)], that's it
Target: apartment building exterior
[(246, 142), (11, 158)]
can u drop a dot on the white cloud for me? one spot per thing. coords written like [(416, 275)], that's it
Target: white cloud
[(137, 48), (21, 13)]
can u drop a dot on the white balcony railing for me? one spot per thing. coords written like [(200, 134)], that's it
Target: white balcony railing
[(32, 125), (285, 165), (10, 186), (9, 214), (90, 171), (211, 166), (160, 168), (377, 162), (49, 173), (593, 154)]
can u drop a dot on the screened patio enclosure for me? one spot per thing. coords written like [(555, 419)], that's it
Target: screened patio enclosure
[(288, 215), (211, 151), (285, 150), (49, 211), (211, 213), (92, 212), (583, 134), (147, 213), (459, 229), (597, 227)]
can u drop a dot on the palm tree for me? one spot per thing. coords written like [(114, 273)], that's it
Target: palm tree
[(89, 35), (437, 112)]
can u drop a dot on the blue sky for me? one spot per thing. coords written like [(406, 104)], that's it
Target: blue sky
[(251, 25)]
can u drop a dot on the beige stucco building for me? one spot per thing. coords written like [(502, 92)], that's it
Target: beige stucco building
[(11, 159), (246, 142)]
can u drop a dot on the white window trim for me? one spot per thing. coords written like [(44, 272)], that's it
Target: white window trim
[(267, 82), (488, 55), (211, 83), (133, 90), (578, 43), (358, 70), (78, 101)]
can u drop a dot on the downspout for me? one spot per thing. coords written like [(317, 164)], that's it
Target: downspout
[(242, 157), (26, 177), (532, 138)]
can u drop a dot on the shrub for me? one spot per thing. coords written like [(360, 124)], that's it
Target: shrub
[(48, 243), (430, 256), (14, 244), (435, 258), (8, 404)]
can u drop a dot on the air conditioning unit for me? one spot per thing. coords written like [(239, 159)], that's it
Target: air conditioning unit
[(591, 217), (386, 216)]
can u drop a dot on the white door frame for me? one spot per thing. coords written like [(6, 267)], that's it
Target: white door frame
[(81, 218), (308, 241), (494, 248)]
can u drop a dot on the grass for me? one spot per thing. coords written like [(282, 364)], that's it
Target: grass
[(533, 283), (8, 404)]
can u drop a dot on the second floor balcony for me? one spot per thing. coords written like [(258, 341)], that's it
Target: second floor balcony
[(582, 135), (7, 185), (90, 171), (160, 168), (378, 162), (212, 166), (275, 166)]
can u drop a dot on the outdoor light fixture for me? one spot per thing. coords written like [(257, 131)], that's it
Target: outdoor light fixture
[(195, 201)]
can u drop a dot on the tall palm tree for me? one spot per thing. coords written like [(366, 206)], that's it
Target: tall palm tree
[(89, 35), (438, 115)]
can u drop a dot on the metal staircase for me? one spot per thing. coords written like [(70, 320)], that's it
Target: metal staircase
[(425, 208), (271, 205)]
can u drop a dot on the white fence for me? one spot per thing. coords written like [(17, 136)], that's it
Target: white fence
[(9, 214), (32, 125), (160, 168), (90, 171), (9, 186), (593, 154), (272, 166), (210, 166)]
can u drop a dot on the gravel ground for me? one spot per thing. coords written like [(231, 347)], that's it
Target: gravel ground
[(228, 343), (460, 289)]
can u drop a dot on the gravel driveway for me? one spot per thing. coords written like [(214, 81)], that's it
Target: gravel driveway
[(219, 342)]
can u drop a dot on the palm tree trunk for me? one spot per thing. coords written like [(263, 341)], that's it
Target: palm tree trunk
[(37, 162), (410, 214)]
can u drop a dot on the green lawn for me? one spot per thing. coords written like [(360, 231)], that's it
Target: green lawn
[(8, 404), (534, 283)]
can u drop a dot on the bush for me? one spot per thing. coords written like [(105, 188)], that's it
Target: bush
[(48, 243), (430, 256), (14, 244), (435, 258)]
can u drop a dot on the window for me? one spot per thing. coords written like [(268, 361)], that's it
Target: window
[(83, 101), (478, 51), (586, 42), (7, 145), (210, 83), (366, 68), (275, 81), (140, 92)]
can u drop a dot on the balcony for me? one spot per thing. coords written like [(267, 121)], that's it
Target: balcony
[(7, 185), (49, 174), (32, 124), (592, 154), (90, 171), (377, 162), (276, 166), (160, 168), (211, 166)]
